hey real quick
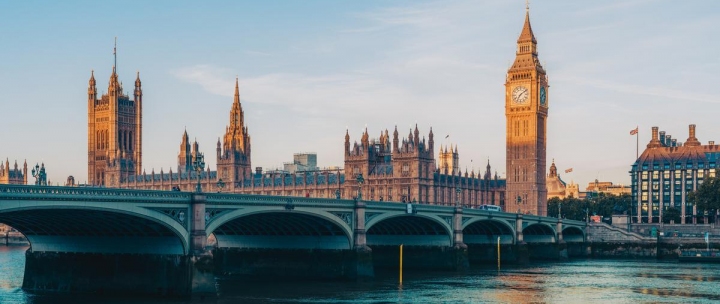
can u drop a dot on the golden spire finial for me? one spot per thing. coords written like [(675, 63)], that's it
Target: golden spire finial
[(527, 5)]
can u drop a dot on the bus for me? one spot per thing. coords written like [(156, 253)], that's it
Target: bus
[(490, 208)]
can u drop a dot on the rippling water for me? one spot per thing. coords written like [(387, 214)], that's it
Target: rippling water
[(577, 281)]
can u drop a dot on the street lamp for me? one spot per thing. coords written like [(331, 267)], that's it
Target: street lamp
[(559, 209), (199, 166), (360, 181), (519, 201), (39, 174), (220, 185), (587, 215)]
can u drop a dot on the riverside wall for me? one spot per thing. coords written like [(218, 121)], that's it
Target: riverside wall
[(605, 241)]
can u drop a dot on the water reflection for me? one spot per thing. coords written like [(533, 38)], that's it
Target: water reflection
[(589, 281)]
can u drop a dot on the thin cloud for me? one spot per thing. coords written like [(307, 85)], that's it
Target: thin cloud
[(643, 90), (617, 5), (320, 95), (258, 53), (218, 81)]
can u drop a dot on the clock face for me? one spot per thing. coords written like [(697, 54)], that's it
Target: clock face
[(520, 94), (543, 96)]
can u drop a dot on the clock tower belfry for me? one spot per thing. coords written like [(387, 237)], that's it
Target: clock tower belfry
[(526, 110)]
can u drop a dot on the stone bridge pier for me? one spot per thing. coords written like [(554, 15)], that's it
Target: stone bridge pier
[(201, 264)]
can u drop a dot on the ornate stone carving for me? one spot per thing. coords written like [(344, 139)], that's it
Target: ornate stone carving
[(212, 213), (178, 214), (345, 216), (448, 220)]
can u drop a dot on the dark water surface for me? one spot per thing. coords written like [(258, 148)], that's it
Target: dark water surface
[(576, 281)]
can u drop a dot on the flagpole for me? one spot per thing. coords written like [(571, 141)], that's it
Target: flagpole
[(637, 143)]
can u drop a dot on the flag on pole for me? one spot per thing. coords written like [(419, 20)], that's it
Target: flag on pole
[(568, 170), (634, 131), (446, 136)]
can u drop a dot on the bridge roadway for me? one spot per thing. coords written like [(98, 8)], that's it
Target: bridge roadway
[(154, 242)]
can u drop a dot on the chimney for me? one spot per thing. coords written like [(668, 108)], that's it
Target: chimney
[(654, 133), (668, 140), (692, 130), (712, 142), (654, 142), (258, 170), (662, 137), (692, 141), (674, 142)]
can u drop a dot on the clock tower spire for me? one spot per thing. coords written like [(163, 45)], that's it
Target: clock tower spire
[(526, 111)]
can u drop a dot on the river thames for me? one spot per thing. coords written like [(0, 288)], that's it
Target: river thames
[(575, 281)]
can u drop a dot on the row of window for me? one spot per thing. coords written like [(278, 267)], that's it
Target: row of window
[(677, 166), (676, 174)]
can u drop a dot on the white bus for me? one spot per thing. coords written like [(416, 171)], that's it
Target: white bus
[(490, 208)]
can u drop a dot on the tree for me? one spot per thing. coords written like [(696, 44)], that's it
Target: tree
[(671, 214), (602, 204), (707, 196)]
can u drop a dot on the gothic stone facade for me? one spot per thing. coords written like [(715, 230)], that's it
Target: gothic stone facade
[(13, 175), (114, 132), (526, 111), (393, 172), (404, 170)]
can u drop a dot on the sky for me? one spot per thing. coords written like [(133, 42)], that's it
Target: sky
[(309, 70)]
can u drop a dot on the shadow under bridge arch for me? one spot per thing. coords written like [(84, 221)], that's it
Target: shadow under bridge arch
[(93, 230), (539, 233), (487, 232), (410, 230), (573, 235), (281, 230)]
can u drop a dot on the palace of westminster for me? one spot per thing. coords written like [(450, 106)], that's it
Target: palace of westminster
[(393, 167)]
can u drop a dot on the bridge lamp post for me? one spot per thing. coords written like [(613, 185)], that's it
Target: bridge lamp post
[(457, 196), (360, 181), (220, 185), (36, 174), (199, 166), (39, 174), (559, 209), (519, 201)]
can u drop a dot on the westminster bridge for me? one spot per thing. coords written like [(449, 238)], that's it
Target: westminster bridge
[(155, 242)]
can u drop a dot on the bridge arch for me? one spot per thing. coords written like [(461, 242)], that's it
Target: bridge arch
[(408, 229), (486, 231), (539, 233), (573, 235), (281, 229), (97, 229)]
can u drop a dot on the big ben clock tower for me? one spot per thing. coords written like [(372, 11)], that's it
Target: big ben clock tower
[(526, 110)]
